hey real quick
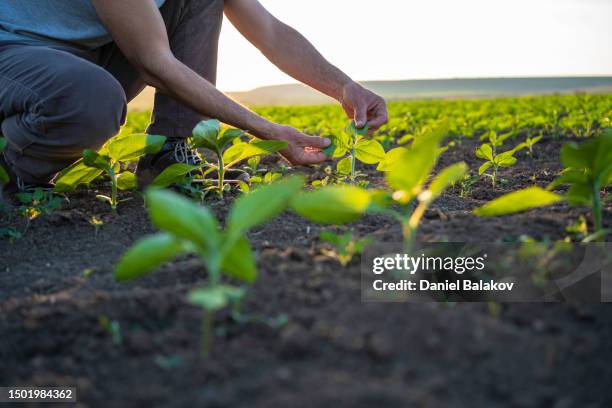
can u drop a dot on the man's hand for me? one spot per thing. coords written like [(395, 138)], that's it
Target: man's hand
[(303, 149), (364, 106)]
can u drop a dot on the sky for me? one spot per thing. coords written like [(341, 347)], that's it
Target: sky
[(421, 39)]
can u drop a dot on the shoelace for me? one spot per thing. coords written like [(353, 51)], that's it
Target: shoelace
[(185, 154)]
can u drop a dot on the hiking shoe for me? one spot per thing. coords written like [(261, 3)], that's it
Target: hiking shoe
[(172, 152)]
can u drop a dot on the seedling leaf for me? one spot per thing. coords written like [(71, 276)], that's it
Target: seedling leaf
[(257, 207), (146, 255), (518, 201), (172, 175), (127, 181), (332, 205), (130, 147), (183, 218), (369, 151), (239, 262)]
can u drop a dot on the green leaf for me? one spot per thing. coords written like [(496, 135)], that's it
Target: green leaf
[(3, 143), (580, 194), (205, 134), (329, 237), (228, 136), (369, 151), (484, 168), (72, 176), (344, 166), (332, 205), (570, 176), (259, 206), (172, 175), (485, 152), (351, 129), (391, 157), (131, 147), (242, 151), (505, 159), (239, 261), (448, 176), (518, 201), (183, 218), (146, 255), (216, 297), (95, 160), (127, 181), (4, 177), (411, 170)]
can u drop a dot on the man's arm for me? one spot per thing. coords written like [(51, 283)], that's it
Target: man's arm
[(139, 31), (296, 56)]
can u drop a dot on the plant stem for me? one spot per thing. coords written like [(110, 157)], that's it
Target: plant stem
[(410, 226), (597, 208), (207, 335), (113, 178), (353, 159), (494, 176), (221, 175)]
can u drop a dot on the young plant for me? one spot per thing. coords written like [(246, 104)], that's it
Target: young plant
[(228, 148), (530, 142), (346, 246), (353, 142), (588, 170), (111, 160), (37, 202), (406, 174), (495, 160), (189, 228)]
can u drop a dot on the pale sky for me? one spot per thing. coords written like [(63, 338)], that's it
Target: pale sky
[(416, 39)]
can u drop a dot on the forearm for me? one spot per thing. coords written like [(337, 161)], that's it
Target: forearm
[(296, 56), (170, 76)]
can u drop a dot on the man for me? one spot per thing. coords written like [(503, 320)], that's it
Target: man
[(67, 70)]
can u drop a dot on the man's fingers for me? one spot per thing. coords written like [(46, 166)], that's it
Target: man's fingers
[(311, 158), (361, 116), (380, 117), (313, 141)]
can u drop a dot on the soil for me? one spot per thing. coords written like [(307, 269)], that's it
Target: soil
[(307, 339)]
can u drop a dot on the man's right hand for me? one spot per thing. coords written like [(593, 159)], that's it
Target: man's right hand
[(303, 149)]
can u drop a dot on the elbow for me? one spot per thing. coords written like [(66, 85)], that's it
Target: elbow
[(155, 69)]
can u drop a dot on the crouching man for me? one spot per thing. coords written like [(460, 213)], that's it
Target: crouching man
[(68, 69)]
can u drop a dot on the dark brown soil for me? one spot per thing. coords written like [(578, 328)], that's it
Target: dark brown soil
[(307, 340)]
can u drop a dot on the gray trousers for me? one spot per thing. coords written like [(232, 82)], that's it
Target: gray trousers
[(57, 100)]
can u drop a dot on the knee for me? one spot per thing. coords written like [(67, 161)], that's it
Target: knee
[(91, 103)]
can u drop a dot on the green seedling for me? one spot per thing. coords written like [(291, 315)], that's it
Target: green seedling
[(229, 149), (495, 160), (346, 246), (36, 203), (467, 183), (189, 228), (588, 170), (408, 177), (353, 142), (530, 142), (406, 174), (110, 160), (112, 327)]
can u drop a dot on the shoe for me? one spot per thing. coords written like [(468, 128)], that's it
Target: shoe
[(174, 151)]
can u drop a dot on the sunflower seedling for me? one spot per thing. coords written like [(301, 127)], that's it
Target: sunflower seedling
[(353, 142), (110, 160), (588, 170), (346, 246), (228, 148), (495, 160), (189, 228)]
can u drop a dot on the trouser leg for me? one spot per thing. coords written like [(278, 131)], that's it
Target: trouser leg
[(193, 28), (53, 105)]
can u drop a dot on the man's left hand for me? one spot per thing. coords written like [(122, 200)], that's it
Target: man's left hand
[(364, 107)]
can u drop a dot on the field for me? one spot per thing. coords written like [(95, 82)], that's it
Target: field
[(304, 337)]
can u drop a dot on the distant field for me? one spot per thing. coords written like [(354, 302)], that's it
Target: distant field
[(296, 94)]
